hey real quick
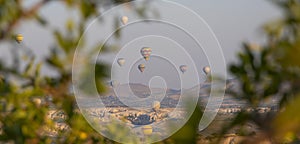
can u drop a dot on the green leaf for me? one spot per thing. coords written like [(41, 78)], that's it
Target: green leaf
[(41, 20), (29, 68)]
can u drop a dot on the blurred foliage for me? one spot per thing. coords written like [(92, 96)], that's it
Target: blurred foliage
[(272, 71), (28, 98), (189, 132)]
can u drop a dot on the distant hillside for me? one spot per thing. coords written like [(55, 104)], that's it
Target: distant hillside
[(130, 92), (139, 90)]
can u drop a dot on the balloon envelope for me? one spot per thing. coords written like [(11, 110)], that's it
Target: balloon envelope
[(206, 70), (124, 20), (19, 38), (121, 61), (141, 67), (183, 68), (114, 83), (146, 52)]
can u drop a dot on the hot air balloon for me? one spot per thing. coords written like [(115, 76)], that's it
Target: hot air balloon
[(206, 70), (142, 67), (121, 61), (114, 83), (124, 20), (19, 38), (183, 68), (146, 52)]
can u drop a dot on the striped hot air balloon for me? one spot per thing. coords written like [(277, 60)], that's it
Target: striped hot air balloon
[(19, 38), (142, 67), (146, 52)]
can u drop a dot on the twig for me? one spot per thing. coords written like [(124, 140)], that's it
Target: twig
[(26, 14)]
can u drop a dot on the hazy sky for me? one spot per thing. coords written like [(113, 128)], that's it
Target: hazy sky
[(232, 21)]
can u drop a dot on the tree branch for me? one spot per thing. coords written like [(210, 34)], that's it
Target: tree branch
[(25, 14)]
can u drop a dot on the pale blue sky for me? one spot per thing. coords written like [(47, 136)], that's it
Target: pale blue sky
[(232, 21)]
